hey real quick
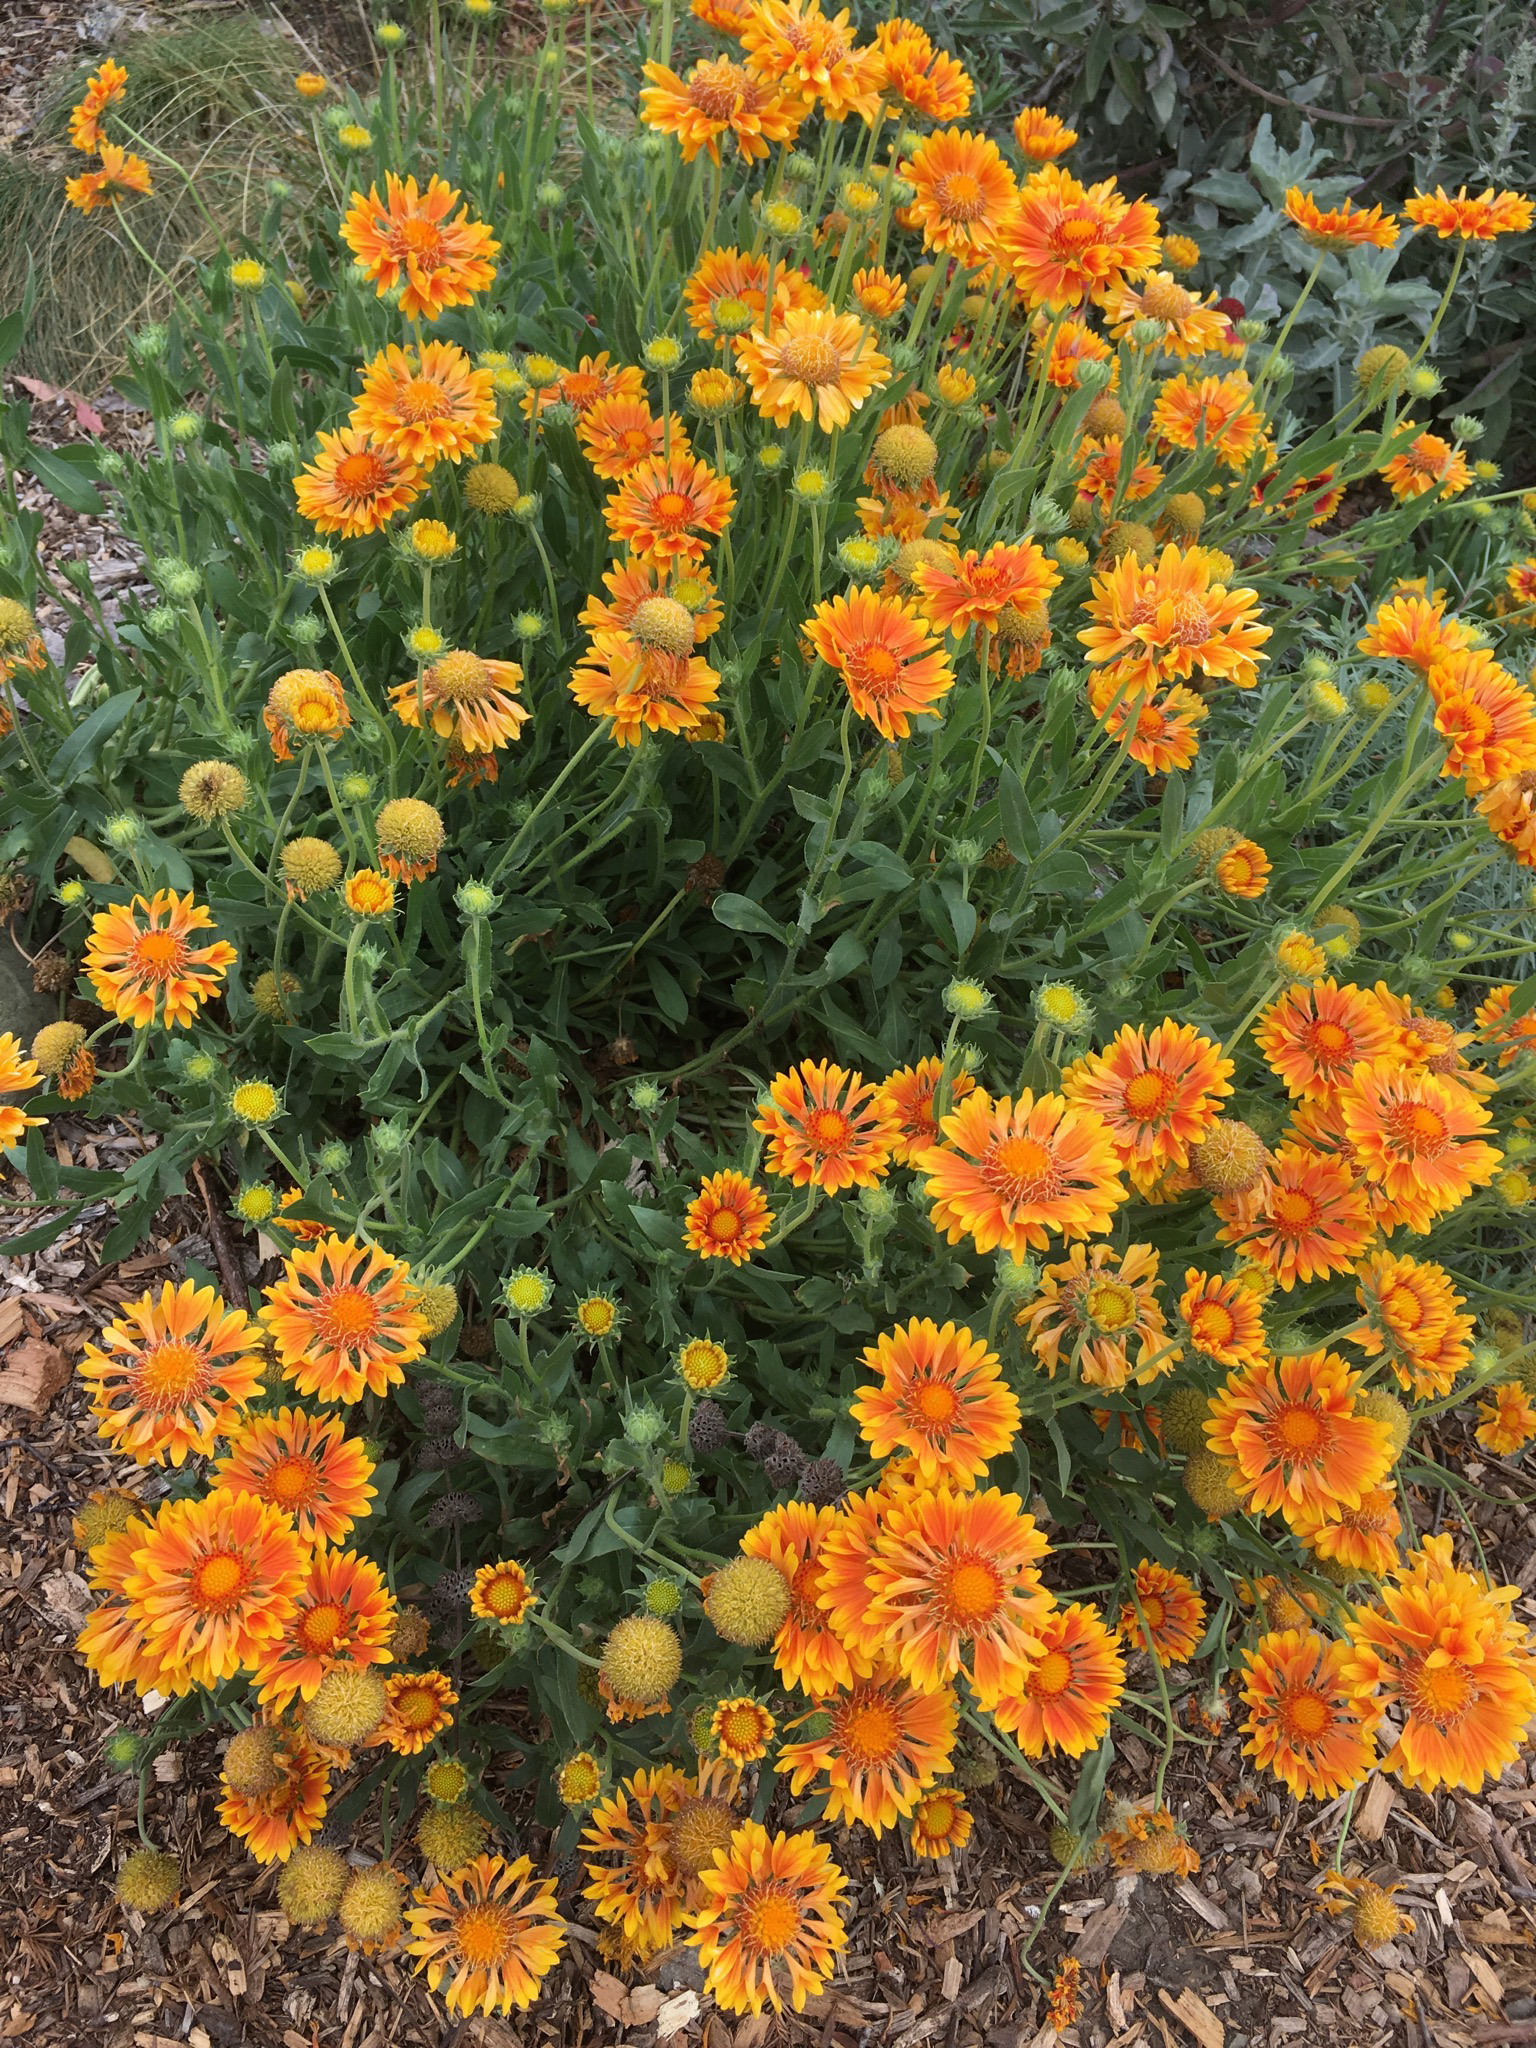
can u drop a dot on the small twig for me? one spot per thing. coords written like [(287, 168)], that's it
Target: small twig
[(1278, 99), (225, 1254)]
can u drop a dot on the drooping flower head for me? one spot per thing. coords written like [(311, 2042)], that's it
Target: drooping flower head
[(104, 88), (121, 175), (769, 1925), (795, 45), (908, 1095), (413, 238), (343, 1319), (1303, 1723), (16, 1073), (486, 1937), (171, 1373), (825, 1128), (467, 700), (1411, 1314), (1013, 1173), (1296, 1437), (1094, 1308), (1362, 1540), (1485, 716), (1069, 1690), (1413, 628), (287, 1812), (940, 1398), (1041, 135), (1339, 227)]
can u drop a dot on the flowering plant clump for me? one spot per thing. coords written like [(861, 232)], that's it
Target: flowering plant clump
[(854, 924)]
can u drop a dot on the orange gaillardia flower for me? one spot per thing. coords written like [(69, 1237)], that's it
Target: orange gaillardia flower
[(643, 689), (1069, 1690), (1210, 413), (1339, 227), (908, 1095), (670, 510), (1172, 1610), (729, 1218), (418, 1710), (1224, 1319), (975, 590), (882, 648), (635, 1885), (1363, 1539), (1159, 1092), (1092, 1307), (502, 1593), (304, 1464), (794, 44), (103, 89), (815, 364), (343, 1319), (426, 403), (143, 966), (719, 97), (941, 1822), (344, 1614), (726, 284), (212, 1584), (927, 80), (618, 434), (1066, 242), (1041, 135), (173, 1373), (1485, 716), (940, 1398), (962, 189), (1167, 620), (1164, 729), (1418, 1136), (16, 1073), (1303, 1722), (468, 700), (742, 1730), (1509, 809), (825, 1128), (1189, 328), (1413, 628), (355, 484), (1296, 1438), (881, 1744), (486, 1937), (408, 239), (807, 1653), (1412, 1316), (1496, 1027), (306, 705), (1312, 1218), (288, 1811), (113, 1643), (121, 174), (769, 1924), (1474, 220), (1427, 462), (1507, 1419), (1011, 1173), (1314, 1037)]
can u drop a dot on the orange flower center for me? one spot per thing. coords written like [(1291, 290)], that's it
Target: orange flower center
[(810, 359), (1419, 1128), (827, 1129), (636, 441), (156, 955), (671, 509), (321, 1628), (1441, 1693), (960, 196), (347, 1318), (1051, 1676), (1191, 623), (741, 1729), (873, 668), (1155, 1608), (582, 388), (292, 1482), (483, 1935), (168, 1373), (715, 91), (219, 1581), (803, 1588), (418, 242), (724, 1226), (1297, 1433), (1293, 1208), (1331, 1042), (869, 1732), (1212, 1322), (420, 399), (1164, 300), (936, 1404), (417, 1706), (1148, 1095), (361, 475), (1074, 235), (1402, 1308), (769, 1921), (973, 1592), (1306, 1714), (504, 1595), (1021, 1169)]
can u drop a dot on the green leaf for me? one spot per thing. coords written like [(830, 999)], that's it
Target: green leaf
[(64, 472), (79, 752), (745, 914)]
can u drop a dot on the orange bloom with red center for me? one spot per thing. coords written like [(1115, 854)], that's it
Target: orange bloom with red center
[(1418, 1136), (1497, 1027), (962, 190), (1412, 1316), (1243, 871), (726, 277), (769, 1927), (1520, 581), (274, 1823), (1414, 628), (142, 965), (593, 379), (1509, 809), (1293, 1434), (1091, 1308), (928, 80), (881, 647), (1314, 1037), (212, 1584), (171, 1374), (1486, 718), (1167, 620), (719, 97), (1190, 327), (974, 589), (502, 1593), (1209, 414), (344, 1614), (304, 1464), (466, 699), (1013, 1173), (343, 1319), (1363, 1539), (1070, 1690), (806, 1652), (1172, 1617), (103, 89), (1311, 1218), (618, 434), (409, 239), (113, 1643), (1066, 242), (729, 1218), (642, 689), (1339, 227), (307, 705), (952, 1587), (1159, 1091), (426, 403), (1164, 729), (1443, 1652), (122, 175), (816, 364), (795, 45), (492, 1930), (1041, 135), (355, 484), (670, 511), (1102, 460), (635, 1885), (1303, 1723), (882, 1744), (1508, 1419), (1427, 462), (1225, 1319), (825, 1128), (941, 1398), (907, 1095), (1474, 220), (418, 1710)]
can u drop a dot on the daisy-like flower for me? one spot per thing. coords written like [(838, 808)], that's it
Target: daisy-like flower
[(953, 1587), (1071, 343), (1102, 462), (730, 17), (825, 1128), (344, 1614), (273, 1823), (418, 1710), (631, 604), (502, 1593), (1041, 136), (642, 689), (103, 89), (1167, 620), (467, 700), (1475, 220), (1293, 1432), (927, 80), (1013, 1173), (889, 661), (670, 511), (1171, 1609), (355, 485), (1303, 1723), (172, 1373), (1159, 1092), (1509, 810), (425, 404), (1485, 716), (618, 434), (142, 963), (212, 1583), (1363, 1539), (940, 1398), (726, 285), (807, 1653), (343, 1319), (1428, 462), (120, 176), (634, 1885), (1311, 1218), (1314, 1037), (1507, 1419), (487, 1937), (769, 1925), (941, 1823), (879, 1746), (729, 1218), (1339, 227), (113, 1643), (719, 97), (307, 705), (816, 364), (413, 238), (1092, 1308), (1417, 1136), (973, 590), (1496, 1027), (1066, 242), (593, 379), (1413, 628), (742, 1729), (1442, 1651), (1411, 1314), (304, 1464), (795, 45), (962, 189), (877, 293), (1191, 327), (1224, 1319), (1210, 413), (16, 1073), (1069, 1690), (908, 1095)]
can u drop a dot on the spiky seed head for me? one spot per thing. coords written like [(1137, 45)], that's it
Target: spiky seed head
[(150, 1878), (748, 1601), (642, 1660), (310, 1886)]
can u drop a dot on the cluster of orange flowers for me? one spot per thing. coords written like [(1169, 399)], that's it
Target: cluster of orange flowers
[(119, 173)]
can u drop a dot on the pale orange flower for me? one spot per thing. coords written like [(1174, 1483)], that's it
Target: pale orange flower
[(1474, 220), (719, 97), (1427, 463), (890, 663), (729, 1218), (1413, 628), (1158, 1091), (1011, 1173), (1486, 718), (354, 485), (142, 965), (211, 1584), (424, 404), (962, 189), (1418, 1136), (908, 1095), (816, 365), (172, 1373), (1066, 242), (122, 175), (343, 1320), (343, 1615), (1309, 1219), (468, 700), (642, 689), (670, 511), (1303, 1722), (825, 1128), (1168, 620), (974, 589), (408, 239), (1210, 413), (618, 434), (1339, 227), (1041, 136), (796, 45), (1070, 1690), (880, 1745), (1295, 1438)]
